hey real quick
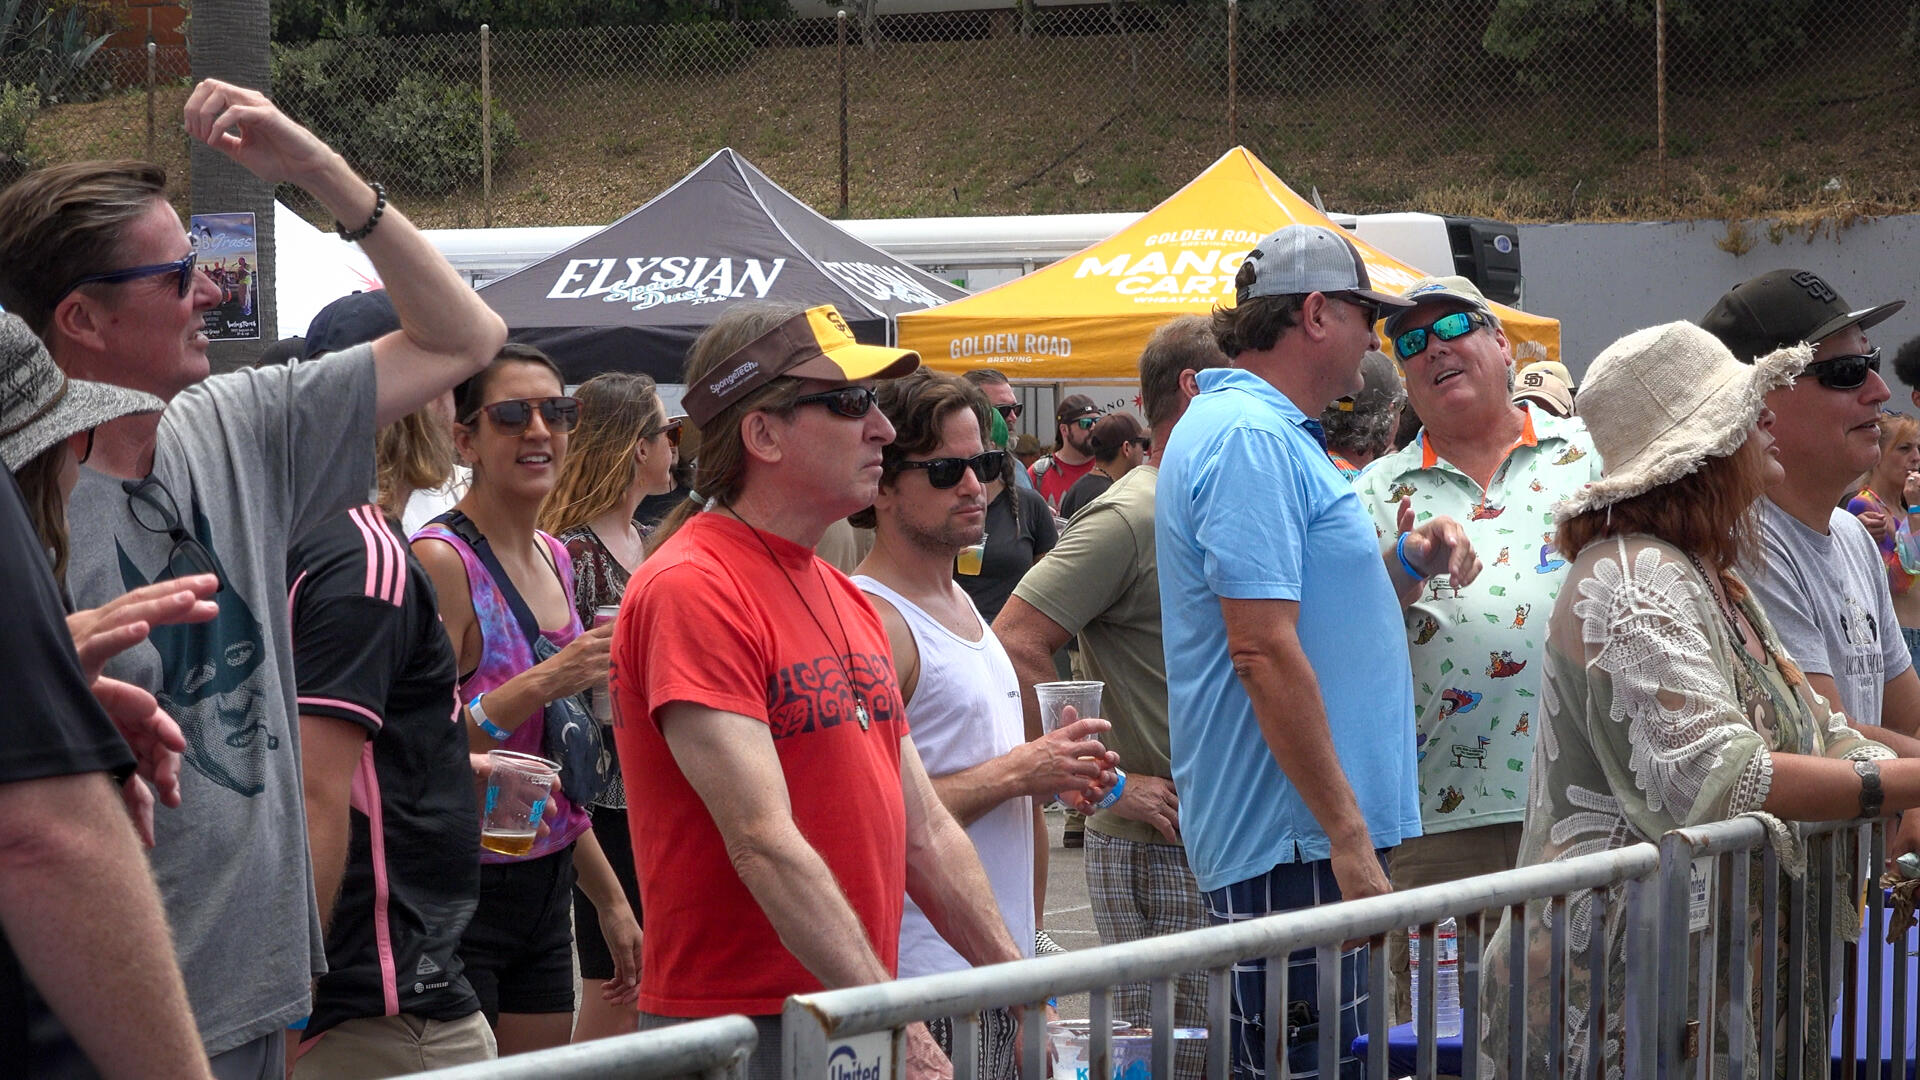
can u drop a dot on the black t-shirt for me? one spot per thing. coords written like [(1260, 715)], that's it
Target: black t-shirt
[(1011, 550), (51, 727), (1084, 490), (368, 648)]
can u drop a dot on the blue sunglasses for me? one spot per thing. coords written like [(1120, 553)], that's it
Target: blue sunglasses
[(183, 267), (1446, 328)]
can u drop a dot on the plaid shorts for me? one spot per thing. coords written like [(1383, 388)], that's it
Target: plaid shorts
[(1289, 887), (1141, 890)]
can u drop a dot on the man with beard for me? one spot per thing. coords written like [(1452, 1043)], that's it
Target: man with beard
[(961, 694)]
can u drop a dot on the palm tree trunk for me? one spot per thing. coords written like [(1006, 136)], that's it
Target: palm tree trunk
[(228, 41)]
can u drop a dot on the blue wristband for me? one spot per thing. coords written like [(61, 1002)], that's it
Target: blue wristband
[(1113, 796), (1400, 550), (480, 719)]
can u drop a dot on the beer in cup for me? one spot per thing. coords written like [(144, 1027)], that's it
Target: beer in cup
[(971, 557), (517, 793)]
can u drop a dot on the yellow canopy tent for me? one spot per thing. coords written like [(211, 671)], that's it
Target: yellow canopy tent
[(1086, 317)]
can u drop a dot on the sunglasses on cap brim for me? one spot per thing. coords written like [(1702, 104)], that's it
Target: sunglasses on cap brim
[(1447, 327), (1844, 372), (945, 472), (511, 417)]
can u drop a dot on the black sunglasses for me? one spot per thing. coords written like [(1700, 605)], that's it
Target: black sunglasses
[(153, 508), (670, 428), (512, 416), (1144, 442), (183, 267), (1371, 307), (1009, 412), (945, 472), (852, 402), (1844, 372), (1085, 423)]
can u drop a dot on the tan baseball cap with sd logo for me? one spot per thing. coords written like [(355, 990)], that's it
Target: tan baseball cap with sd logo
[(815, 344)]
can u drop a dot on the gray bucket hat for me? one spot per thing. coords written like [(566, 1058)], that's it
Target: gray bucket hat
[(39, 405)]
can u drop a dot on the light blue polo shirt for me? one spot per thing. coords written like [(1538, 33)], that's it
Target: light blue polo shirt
[(1250, 508)]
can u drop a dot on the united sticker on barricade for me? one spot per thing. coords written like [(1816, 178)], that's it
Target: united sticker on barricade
[(1700, 895), (861, 1057)]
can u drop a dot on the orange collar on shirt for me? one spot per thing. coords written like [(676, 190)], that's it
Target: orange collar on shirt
[(1428, 459)]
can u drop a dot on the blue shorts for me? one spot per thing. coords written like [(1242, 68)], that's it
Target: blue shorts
[(1289, 887)]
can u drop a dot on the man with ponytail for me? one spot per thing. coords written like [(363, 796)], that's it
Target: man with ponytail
[(786, 814)]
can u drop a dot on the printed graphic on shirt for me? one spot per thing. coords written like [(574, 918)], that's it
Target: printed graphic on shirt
[(1473, 648), (812, 695), (210, 682)]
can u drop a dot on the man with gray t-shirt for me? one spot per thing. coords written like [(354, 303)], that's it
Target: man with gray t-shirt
[(95, 260), (1821, 579)]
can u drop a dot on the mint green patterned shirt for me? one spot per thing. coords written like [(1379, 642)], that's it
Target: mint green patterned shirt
[(1476, 650)]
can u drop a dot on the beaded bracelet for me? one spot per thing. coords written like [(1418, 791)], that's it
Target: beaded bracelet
[(364, 231)]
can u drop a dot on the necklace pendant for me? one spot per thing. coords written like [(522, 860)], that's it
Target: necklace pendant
[(860, 714)]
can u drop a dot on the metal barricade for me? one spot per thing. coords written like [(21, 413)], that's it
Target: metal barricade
[(1706, 887), (715, 1049), (859, 1032)]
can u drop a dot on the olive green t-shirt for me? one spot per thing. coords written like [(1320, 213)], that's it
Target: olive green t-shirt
[(1100, 583)]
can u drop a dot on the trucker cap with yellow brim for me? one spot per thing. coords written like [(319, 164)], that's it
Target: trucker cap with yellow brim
[(815, 344)]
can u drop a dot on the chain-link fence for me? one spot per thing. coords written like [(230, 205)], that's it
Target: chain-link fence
[(1543, 110)]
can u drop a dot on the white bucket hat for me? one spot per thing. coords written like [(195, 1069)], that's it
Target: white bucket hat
[(1661, 401)]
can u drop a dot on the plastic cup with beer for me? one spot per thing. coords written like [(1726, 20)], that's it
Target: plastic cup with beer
[(971, 558), (602, 695), (517, 791), (1054, 697)]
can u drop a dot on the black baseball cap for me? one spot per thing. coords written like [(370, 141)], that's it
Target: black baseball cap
[(1074, 406), (1782, 308), (351, 320)]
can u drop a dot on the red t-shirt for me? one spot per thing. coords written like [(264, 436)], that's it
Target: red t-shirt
[(1058, 477), (710, 619)]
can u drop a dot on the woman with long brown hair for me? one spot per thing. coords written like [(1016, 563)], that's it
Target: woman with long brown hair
[(622, 452), (1666, 699)]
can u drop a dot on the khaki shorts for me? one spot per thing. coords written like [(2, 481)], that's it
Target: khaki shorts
[(1432, 860), (375, 1047)]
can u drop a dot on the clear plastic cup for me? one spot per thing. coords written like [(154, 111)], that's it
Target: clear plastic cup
[(517, 791), (1083, 695), (971, 558)]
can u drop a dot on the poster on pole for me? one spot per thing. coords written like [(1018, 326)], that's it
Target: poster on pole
[(229, 254)]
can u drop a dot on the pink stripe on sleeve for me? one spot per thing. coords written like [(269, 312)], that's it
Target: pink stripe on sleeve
[(336, 703)]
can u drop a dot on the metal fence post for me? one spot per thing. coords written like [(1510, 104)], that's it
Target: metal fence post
[(1660, 86), (840, 31), (486, 125), (152, 52), (1233, 36)]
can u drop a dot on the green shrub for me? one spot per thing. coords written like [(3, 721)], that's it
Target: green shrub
[(428, 133), (18, 104), (704, 47)]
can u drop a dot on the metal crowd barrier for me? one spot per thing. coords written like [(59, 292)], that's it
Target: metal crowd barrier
[(713, 1049), (859, 1032), (1706, 884)]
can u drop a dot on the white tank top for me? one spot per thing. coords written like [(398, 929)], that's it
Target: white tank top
[(966, 710)]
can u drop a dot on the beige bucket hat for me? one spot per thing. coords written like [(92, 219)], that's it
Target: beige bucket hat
[(1661, 401)]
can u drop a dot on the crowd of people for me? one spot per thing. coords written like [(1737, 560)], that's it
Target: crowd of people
[(271, 624)]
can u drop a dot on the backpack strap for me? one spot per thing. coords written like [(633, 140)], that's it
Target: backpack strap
[(463, 527)]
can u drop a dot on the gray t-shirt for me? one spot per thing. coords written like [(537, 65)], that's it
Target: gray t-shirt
[(1828, 599), (252, 460)]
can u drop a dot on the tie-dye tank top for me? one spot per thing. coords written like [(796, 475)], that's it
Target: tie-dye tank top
[(504, 654)]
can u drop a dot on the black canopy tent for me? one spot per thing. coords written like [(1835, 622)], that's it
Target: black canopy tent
[(633, 296)]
